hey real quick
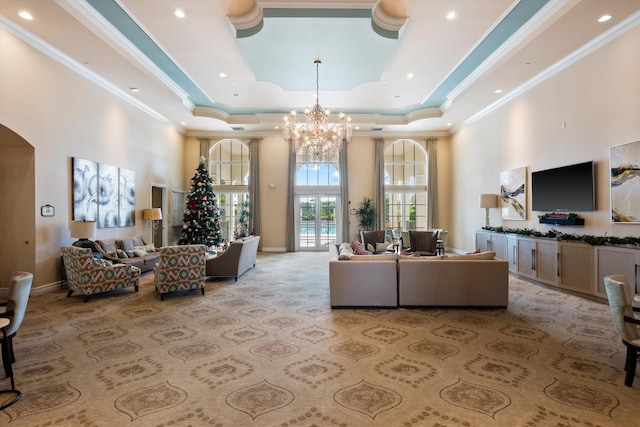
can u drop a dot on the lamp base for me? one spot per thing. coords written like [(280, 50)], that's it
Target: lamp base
[(85, 243)]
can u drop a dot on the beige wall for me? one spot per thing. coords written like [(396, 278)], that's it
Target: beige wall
[(575, 116), (63, 115)]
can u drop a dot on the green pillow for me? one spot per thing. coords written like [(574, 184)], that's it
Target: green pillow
[(122, 254)]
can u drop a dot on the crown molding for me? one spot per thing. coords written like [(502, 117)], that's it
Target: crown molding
[(598, 42), (63, 59)]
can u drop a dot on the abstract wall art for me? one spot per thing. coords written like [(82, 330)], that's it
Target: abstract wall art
[(107, 196), (103, 193), (513, 194), (127, 198), (85, 190), (624, 161)]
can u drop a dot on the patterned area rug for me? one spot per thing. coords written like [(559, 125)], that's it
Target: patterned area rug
[(269, 351)]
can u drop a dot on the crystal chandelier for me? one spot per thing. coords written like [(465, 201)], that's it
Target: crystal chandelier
[(317, 139)]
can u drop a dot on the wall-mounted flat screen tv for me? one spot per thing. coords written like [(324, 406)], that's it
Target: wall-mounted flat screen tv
[(564, 189)]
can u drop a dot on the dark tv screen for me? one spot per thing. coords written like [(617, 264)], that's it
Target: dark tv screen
[(564, 189)]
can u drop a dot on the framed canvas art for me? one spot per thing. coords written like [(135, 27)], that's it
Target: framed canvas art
[(513, 194), (624, 161), (126, 198), (107, 196), (85, 190)]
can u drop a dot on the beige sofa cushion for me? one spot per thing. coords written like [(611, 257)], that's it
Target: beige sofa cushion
[(344, 251), (480, 255), (390, 257)]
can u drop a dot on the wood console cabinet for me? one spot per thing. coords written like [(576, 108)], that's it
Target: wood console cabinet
[(574, 266), (488, 241), (537, 259), (616, 260), (512, 252)]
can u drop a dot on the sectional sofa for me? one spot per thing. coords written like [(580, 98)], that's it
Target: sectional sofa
[(390, 280), (129, 250)]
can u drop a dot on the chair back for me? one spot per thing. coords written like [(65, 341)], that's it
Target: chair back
[(443, 236), (620, 305), (423, 241), (17, 298), (372, 237), (180, 267)]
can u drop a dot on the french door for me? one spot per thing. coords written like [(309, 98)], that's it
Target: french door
[(316, 221)]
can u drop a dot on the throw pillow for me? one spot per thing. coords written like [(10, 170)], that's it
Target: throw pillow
[(140, 252), (122, 254), (381, 247), (358, 248), (345, 251), (108, 245), (149, 248), (126, 244), (137, 241)]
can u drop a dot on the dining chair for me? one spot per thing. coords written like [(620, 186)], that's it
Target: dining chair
[(626, 324), (16, 305)]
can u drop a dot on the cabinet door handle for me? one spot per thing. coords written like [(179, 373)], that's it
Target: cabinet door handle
[(635, 270), (514, 256), (558, 265), (533, 259)]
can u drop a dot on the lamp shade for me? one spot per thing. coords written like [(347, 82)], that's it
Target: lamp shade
[(83, 229), (154, 214), (488, 201)]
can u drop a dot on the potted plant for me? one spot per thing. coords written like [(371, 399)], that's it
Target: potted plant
[(366, 214)]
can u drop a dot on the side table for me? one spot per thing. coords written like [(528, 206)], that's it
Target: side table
[(6, 359)]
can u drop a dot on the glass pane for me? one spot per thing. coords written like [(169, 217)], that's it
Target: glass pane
[(307, 217), (409, 174), (420, 175), (225, 174), (327, 223)]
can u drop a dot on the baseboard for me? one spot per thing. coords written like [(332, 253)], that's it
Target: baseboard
[(40, 290)]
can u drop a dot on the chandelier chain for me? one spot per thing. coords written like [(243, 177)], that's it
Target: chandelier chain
[(317, 139)]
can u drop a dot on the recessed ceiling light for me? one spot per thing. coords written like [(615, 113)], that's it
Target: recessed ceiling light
[(452, 15), (183, 123), (497, 91), (179, 13), (449, 123), (396, 96), (236, 94), (25, 15), (276, 127), (223, 75), (134, 89), (409, 75), (604, 18), (385, 83)]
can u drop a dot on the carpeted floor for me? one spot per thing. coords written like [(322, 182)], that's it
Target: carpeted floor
[(269, 351)]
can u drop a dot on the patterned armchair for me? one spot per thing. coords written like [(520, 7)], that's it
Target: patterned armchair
[(180, 268), (89, 275)]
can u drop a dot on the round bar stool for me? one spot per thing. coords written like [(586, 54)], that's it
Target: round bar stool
[(6, 358)]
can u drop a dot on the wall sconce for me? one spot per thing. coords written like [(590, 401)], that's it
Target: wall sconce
[(154, 215), (488, 201)]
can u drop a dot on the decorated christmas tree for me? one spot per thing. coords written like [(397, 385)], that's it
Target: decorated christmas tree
[(202, 214)]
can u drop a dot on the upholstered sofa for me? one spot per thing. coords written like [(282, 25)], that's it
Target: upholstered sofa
[(88, 275), (390, 280), (129, 250), (238, 258)]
